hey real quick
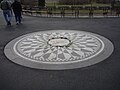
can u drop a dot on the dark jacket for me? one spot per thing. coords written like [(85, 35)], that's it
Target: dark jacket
[(16, 6)]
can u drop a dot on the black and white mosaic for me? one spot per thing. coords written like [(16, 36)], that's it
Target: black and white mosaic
[(58, 47)]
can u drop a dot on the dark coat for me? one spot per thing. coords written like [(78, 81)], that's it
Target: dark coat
[(16, 6)]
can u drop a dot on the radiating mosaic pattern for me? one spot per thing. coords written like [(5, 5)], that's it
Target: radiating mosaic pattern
[(59, 46)]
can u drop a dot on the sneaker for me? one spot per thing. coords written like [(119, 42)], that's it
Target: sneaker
[(17, 23)]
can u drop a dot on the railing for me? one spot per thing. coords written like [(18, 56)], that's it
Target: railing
[(74, 11)]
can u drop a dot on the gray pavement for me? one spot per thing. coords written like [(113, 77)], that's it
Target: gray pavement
[(102, 76)]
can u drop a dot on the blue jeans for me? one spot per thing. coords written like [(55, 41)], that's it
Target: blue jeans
[(7, 15)]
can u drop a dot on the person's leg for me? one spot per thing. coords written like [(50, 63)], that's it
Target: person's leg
[(16, 18), (5, 16), (9, 16), (19, 17)]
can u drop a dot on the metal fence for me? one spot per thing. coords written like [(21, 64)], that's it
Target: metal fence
[(74, 11)]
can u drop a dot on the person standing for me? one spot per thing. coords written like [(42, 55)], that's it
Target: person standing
[(6, 7), (17, 9)]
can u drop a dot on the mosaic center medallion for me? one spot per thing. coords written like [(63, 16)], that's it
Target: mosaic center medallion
[(59, 42), (58, 47)]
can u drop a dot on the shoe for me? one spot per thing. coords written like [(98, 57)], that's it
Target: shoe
[(20, 23), (17, 23), (9, 23)]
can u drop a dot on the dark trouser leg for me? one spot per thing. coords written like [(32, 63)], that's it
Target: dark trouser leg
[(16, 17), (19, 18)]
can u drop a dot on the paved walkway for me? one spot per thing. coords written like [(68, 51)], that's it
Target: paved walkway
[(66, 16), (102, 76)]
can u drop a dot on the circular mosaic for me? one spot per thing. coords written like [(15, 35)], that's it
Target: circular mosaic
[(58, 49)]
